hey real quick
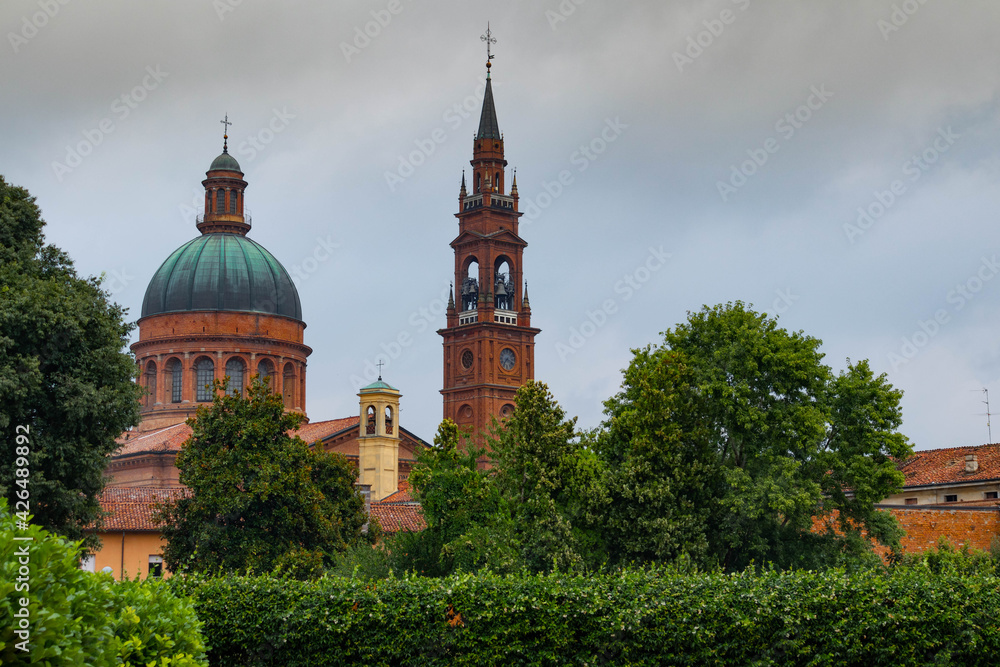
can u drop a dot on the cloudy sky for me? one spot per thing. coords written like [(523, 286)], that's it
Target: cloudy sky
[(836, 164)]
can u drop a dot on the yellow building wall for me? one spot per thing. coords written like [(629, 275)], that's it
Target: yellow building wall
[(137, 546)]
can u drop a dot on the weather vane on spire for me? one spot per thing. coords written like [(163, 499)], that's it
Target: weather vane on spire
[(490, 40), (225, 134)]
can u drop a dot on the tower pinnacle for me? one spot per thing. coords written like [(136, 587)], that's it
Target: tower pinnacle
[(225, 134)]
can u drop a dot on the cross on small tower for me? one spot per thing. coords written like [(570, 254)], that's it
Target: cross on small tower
[(380, 364), (489, 39), (225, 134)]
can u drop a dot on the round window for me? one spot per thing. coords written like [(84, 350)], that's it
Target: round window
[(467, 359)]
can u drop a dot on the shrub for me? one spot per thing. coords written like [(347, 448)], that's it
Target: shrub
[(638, 617), (84, 619)]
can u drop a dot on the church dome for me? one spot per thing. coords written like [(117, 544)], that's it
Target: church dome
[(225, 161), (222, 271)]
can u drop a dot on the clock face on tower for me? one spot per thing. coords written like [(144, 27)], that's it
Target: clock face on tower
[(507, 358)]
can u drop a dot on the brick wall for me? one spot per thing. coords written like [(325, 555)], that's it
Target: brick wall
[(971, 525)]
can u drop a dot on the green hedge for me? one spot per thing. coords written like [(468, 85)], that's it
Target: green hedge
[(83, 619), (909, 617)]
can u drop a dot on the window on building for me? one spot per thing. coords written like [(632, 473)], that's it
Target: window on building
[(910, 501), (288, 386), (176, 380), (156, 567), (150, 384), (370, 421), (265, 369), (951, 498), (232, 201), (990, 495), (388, 420), (235, 369), (220, 201), (204, 375)]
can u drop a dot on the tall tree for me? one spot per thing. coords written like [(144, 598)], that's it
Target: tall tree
[(545, 475), (782, 440), (63, 372), (258, 496)]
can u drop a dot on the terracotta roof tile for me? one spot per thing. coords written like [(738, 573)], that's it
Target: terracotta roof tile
[(167, 439), (401, 496), (394, 517), (947, 466), (133, 509), (320, 430)]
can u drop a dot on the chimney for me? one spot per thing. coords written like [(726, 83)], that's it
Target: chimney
[(971, 463)]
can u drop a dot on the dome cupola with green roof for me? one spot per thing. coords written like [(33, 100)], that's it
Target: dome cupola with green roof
[(220, 306)]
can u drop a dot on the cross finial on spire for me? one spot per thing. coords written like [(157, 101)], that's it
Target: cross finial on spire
[(380, 364), (490, 40), (225, 134)]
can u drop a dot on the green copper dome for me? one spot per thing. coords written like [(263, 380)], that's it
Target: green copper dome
[(222, 271), (225, 161)]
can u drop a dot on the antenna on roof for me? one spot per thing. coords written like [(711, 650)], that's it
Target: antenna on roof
[(989, 430)]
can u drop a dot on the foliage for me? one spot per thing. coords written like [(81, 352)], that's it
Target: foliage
[(457, 500), (637, 617), (259, 497), (62, 372), (84, 619), (728, 440), (544, 476), (527, 511), (152, 626), (947, 559)]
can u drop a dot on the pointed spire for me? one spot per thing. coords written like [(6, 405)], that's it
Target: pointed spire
[(488, 126), (451, 294), (462, 193), (527, 303), (513, 185)]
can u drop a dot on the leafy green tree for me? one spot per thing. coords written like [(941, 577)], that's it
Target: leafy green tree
[(63, 373), (545, 475), (527, 510), (766, 439), (465, 527), (260, 499), (661, 480)]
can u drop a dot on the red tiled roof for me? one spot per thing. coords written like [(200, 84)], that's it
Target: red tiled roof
[(320, 430), (947, 466), (167, 439), (401, 496), (134, 509), (394, 517)]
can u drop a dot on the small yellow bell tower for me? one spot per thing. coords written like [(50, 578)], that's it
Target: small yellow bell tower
[(378, 439)]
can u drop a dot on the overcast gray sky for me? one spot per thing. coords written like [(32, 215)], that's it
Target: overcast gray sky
[(833, 163)]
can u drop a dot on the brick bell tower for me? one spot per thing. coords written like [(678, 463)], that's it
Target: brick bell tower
[(489, 343)]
